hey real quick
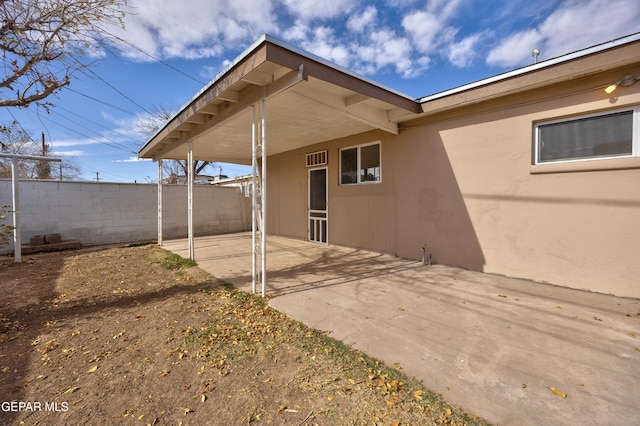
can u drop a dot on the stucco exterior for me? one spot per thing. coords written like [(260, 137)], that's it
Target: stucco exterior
[(457, 170), (462, 182)]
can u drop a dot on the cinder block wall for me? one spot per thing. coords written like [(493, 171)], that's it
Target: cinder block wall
[(106, 213)]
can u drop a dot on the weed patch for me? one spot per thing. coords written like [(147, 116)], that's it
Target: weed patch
[(175, 262)]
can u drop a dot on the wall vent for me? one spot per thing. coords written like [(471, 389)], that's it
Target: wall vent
[(317, 158)]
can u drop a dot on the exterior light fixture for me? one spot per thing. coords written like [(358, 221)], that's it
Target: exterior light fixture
[(625, 81)]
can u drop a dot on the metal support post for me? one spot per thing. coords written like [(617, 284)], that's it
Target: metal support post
[(259, 198), (263, 194), (190, 199), (254, 204), (160, 178), (17, 236)]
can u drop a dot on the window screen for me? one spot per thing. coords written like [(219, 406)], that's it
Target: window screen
[(370, 163), (349, 166), (592, 137), (360, 164)]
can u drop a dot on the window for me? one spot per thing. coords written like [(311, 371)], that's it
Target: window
[(360, 164), (585, 138)]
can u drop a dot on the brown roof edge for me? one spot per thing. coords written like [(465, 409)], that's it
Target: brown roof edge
[(291, 57), (613, 54), (268, 48)]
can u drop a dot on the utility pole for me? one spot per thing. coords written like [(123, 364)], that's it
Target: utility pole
[(44, 168), (97, 177)]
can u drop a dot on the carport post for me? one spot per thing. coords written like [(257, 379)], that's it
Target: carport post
[(258, 206), (192, 254), (263, 193), (160, 177)]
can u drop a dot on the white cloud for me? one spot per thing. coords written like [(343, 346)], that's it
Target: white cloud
[(405, 36), (515, 50), (298, 31), (197, 29), (361, 22), (64, 143), (423, 27), (388, 50), (463, 53), (575, 25), (131, 160), (432, 33), (76, 153), (308, 10), (323, 44)]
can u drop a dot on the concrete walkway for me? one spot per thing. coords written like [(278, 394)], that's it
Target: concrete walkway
[(494, 346)]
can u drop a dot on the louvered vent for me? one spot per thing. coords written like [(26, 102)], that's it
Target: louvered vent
[(317, 158)]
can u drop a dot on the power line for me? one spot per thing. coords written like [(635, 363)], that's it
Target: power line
[(128, 43), (92, 122), (112, 143), (118, 91), (15, 120), (99, 101)]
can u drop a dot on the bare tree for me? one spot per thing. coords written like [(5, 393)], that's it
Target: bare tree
[(16, 140), (43, 43), (149, 124)]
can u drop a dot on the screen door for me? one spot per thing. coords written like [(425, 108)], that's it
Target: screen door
[(318, 215)]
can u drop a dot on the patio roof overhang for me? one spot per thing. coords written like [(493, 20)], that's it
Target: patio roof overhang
[(309, 101)]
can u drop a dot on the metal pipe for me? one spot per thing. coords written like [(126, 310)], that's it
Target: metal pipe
[(17, 229), (190, 199), (263, 194), (253, 199), (160, 178)]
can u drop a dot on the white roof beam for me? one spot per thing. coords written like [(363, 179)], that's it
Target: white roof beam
[(375, 117), (356, 99), (252, 95), (210, 109), (196, 119), (230, 96)]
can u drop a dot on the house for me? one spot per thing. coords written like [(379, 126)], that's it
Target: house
[(534, 173)]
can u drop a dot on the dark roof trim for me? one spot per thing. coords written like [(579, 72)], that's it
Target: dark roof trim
[(268, 48), (535, 67)]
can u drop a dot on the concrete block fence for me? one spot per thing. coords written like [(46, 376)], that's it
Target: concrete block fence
[(107, 213)]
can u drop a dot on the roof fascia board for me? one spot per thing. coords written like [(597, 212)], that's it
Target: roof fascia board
[(224, 80), (268, 48), (533, 68), (290, 57), (253, 95), (301, 52)]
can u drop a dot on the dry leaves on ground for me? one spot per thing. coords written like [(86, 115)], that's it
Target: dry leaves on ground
[(135, 335)]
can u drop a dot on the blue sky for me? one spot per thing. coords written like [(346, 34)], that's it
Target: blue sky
[(416, 47)]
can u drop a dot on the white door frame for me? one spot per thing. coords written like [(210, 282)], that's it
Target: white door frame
[(318, 220)]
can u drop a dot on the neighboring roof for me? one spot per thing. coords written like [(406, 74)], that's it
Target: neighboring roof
[(309, 100)]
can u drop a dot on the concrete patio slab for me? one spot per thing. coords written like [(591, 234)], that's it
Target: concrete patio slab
[(492, 345)]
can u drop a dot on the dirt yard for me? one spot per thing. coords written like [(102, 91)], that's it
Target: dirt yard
[(135, 335)]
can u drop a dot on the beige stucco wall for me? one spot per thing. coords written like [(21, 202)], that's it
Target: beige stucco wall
[(462, 183)]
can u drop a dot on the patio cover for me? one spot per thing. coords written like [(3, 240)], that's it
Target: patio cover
[(309, 100)]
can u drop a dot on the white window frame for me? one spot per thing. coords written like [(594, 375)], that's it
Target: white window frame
[(635, 135), (358, 157)]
